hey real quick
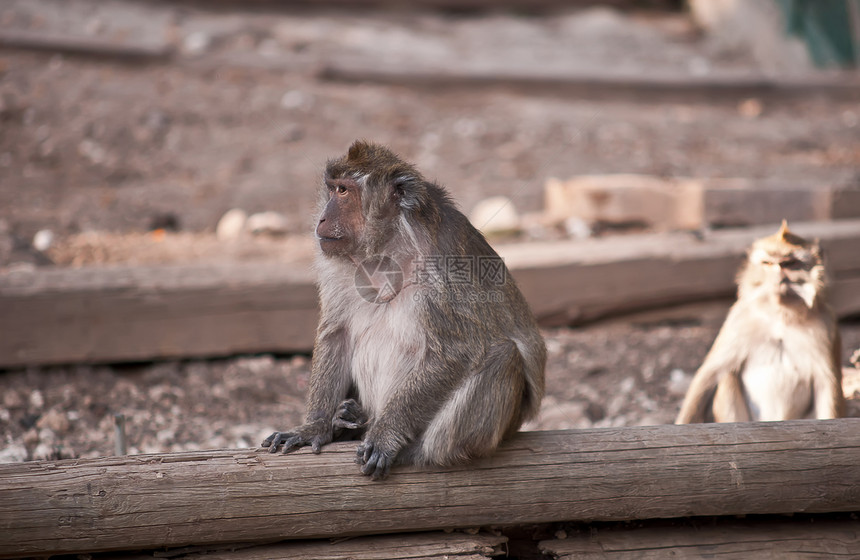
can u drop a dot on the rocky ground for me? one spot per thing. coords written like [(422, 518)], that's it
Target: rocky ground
[(618, 373), (132, 163)]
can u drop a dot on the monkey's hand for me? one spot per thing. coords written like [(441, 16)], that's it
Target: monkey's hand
[(316, 434), (376, 455), (349, 416)]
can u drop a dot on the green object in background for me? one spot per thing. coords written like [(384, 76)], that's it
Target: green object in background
[(830, 28)]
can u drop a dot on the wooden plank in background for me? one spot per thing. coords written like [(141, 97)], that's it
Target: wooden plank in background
[(571, 282), (143, 313), (207, 497), (84, 45)]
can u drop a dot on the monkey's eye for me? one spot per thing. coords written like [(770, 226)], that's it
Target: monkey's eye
[(340, 189)]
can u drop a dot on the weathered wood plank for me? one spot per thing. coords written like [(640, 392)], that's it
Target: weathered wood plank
[(417, 546), (126, 314), (81, 45), (715, 87), (575, 281), (151, 501), (728, 539), (140, 313)]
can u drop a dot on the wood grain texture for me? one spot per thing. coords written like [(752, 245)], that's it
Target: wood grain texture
[(141, 313), (417, 546), (726, 539), (224, 496)]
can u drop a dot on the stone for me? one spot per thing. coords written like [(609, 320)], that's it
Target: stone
[(54, 420), (495, 215), (231, 224), (43, 240), (272, 223)]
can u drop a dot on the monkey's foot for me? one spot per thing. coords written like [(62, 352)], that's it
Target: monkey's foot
[(349, 416), (375, 462)]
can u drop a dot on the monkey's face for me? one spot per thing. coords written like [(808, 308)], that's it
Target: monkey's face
[(364, 195), (789, 276), (341, 222)]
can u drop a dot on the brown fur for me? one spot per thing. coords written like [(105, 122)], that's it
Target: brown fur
[(435, 370), (777, 356)]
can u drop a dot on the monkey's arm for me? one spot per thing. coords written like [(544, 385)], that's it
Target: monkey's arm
[(726, 357), (827, 384), (329, 385)]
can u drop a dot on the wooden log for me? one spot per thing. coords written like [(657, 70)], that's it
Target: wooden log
[(432, 545), (726, 539), (207, 497)]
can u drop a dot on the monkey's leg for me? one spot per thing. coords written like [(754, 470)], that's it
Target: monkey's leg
[(485, 408), (730, 405)]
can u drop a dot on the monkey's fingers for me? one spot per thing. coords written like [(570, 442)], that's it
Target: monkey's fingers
[(374, 462), (377, 466), (363, 453), (289, 440), (268, 441), (341, 423)]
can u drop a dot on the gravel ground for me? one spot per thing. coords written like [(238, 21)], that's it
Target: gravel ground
[(101, 153)]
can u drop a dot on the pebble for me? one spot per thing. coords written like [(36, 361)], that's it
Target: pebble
[(55, 421), (196, 43), (272, 223), (43, 240), (294, 99), (679, 382), (13, 453), (231, 224), (577, 228), (92, 151), (495, 215), (37, 400)]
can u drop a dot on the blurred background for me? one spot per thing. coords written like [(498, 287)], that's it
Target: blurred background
[(159, 164)]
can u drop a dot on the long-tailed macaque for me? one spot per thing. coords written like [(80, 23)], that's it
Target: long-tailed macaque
[(777, 356), (425, 348)]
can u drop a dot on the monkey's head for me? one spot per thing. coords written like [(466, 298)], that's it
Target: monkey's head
[(366, 196), (785, 269)]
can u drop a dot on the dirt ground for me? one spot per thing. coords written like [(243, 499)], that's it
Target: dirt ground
[(107, 155)]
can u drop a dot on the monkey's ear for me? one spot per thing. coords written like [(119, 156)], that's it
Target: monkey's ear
[(406, 191)]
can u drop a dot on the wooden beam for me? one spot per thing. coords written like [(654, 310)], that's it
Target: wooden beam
[(726, 539), (715, 87), (572, 282), (121, 314), (84, 45), (141, 313), (207, 497)]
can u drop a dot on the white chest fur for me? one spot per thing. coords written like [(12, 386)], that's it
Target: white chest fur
[(778, 373), (386, 343)]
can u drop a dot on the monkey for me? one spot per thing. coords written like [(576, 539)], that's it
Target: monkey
[(777, 356), (426, 349)]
